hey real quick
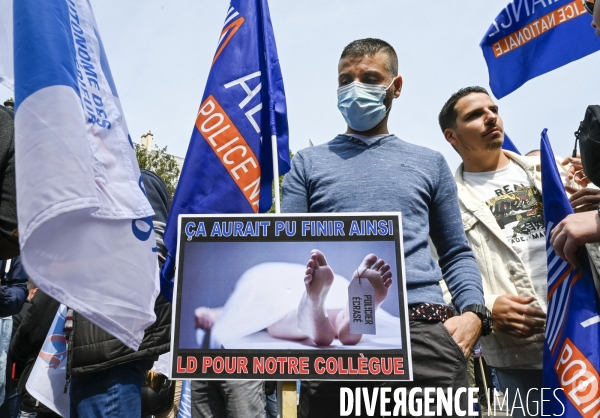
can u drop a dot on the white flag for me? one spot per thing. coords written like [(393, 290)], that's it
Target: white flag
[(48, 377), (85, 225), (7, 75)]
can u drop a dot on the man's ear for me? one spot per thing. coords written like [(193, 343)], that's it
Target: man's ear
[(450, 136), (397, 86)]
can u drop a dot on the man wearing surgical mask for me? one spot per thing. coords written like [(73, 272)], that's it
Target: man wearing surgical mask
[(367, 169)]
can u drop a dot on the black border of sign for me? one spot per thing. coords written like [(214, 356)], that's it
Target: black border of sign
[(354, 362)]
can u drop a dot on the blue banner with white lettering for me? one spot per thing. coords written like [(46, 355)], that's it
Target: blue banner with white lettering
[(571, 351), (229, 163), (532, 37)]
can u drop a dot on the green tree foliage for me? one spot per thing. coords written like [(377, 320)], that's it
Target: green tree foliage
[(161, 162), (272, 210)]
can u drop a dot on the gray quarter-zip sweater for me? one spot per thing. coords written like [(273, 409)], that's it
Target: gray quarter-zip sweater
[(391, 175)]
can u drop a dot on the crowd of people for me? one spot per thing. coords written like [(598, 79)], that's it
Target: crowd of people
[(474, 243)]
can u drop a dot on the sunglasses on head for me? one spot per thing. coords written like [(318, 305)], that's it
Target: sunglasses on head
[(589, 6)]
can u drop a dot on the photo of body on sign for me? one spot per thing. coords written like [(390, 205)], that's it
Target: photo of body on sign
[(291, 297)]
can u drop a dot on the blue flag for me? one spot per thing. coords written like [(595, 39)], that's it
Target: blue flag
[(185, 404), (571, 349), (229, 163), (532, 37), (509, 145)]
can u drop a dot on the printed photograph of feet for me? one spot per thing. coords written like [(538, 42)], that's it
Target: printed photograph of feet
[(287, 295)]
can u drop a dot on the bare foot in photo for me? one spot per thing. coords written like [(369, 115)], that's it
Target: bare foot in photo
[(378, 273), (312, 316), (205, 318)]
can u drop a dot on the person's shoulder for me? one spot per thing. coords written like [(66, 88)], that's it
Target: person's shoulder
[(524, 159), (528, 162), (420, 149), (322, 149), (416, 152), (7, 111)]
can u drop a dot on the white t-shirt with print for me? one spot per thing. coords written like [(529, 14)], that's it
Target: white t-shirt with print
[(517, 206)]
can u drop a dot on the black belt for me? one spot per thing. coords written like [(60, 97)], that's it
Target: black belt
[(430, 312)]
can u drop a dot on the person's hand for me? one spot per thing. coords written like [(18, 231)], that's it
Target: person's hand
[(575, 171), (574, 232), (584, 200), (514, 315), (465, 330)]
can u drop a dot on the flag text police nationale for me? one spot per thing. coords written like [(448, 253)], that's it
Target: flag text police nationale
[(228, 167), (532, 37)]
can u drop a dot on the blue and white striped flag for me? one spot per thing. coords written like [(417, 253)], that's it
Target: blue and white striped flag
[(85, 225), (571, 350)]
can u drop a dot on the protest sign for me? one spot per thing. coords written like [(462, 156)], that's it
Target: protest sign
[(280, 297)]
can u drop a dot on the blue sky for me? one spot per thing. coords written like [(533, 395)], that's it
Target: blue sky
[(160, 54)]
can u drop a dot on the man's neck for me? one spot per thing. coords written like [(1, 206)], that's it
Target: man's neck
[(490, 161), (380, 129)]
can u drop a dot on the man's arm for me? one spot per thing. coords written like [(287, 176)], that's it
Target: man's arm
[(572, 170), (456, 259), (574, 232), (13, 295), (583, 200), (295, 188), (583, 227), (12, 298), (32, 332), (515, 316)]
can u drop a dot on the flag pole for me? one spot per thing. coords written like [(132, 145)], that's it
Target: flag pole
[(286, 391), (275, 153), (275, 161)]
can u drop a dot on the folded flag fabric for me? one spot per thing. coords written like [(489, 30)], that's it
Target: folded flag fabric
[(7, 75), (571, 351), (48, 377), (529, 38), (229, 163), (85, 226)]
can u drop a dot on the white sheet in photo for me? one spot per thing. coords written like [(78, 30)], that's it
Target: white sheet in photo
[(265, 293)]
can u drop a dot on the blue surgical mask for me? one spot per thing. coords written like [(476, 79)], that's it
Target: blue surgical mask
[(362, 104)]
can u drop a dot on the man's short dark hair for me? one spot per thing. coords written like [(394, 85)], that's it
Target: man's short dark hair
[(372, 46), (447, 117)]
